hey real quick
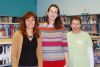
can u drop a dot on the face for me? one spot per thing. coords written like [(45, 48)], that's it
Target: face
[(52, 13), (75, 25), (30, 22)]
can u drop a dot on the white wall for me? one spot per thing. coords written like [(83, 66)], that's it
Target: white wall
[(83, 6), (70, 7)]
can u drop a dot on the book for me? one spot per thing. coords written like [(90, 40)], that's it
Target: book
[(5, 54), (2, 33)]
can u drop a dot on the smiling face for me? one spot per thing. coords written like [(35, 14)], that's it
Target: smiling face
[(52, 13), (75, 25), (30, 22)]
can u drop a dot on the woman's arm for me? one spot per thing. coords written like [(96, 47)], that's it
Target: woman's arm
[(90, 50), (65, 48), (39, 53), (14, 52), (66, 59), (91, 56)]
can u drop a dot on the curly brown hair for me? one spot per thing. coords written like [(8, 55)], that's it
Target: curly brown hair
[(23, 25)]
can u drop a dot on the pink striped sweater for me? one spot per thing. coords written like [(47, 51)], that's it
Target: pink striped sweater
[(54, 44)]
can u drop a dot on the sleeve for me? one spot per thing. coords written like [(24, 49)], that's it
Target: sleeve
[(64, 42), (14, 51), (39, 53), (90, 50), (65, 47)]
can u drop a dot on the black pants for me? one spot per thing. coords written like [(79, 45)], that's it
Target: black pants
[(27, 66)]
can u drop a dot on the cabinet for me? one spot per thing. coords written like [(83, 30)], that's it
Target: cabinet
[(8, 25)]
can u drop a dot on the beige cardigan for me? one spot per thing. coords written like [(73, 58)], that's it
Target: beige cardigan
[(17, 46)]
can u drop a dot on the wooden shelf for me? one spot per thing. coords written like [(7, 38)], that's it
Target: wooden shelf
[(5, 41), (95, 37), (8, 23), (93, 33), (98, 48)]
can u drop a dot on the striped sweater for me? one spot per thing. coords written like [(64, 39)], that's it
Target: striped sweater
[(54, 44)]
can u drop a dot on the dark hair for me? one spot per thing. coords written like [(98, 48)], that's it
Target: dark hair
[(58, 22), (23, 25), (75, 18)]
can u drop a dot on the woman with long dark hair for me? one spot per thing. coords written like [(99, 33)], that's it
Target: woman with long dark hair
[(54, 42)]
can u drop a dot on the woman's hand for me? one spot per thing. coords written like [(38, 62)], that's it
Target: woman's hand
[(66, 65)]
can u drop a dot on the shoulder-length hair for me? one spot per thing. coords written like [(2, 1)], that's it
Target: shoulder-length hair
[(75, 18), (23, 25), (58, 22)]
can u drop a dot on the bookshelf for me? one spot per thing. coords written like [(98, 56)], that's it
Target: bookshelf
[(90, 23), (8, 25)]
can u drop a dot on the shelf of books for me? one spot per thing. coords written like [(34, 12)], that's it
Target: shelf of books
[(7, 30), (8, 25), (90, 23)]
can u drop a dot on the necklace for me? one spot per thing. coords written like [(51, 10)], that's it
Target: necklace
[(30, 36)]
